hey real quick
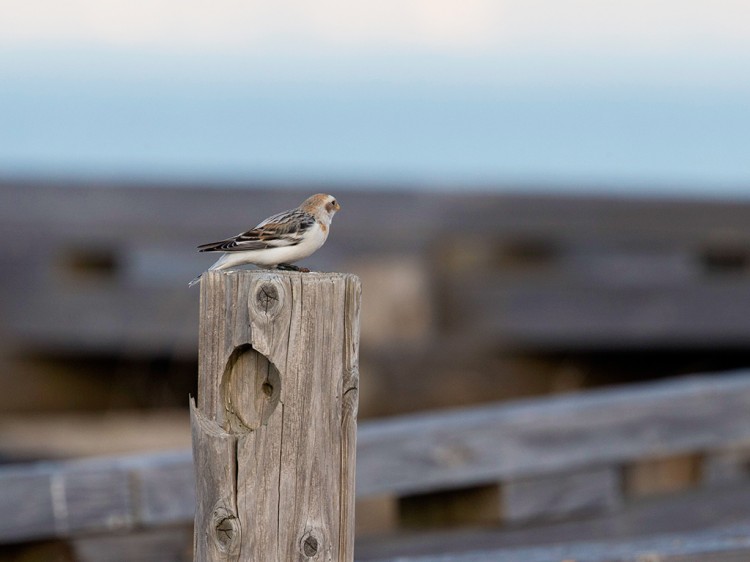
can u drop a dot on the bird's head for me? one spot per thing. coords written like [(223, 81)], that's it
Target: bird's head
[(332, 205), (322, 204)]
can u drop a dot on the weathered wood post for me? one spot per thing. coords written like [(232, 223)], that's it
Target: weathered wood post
[(274, 431)]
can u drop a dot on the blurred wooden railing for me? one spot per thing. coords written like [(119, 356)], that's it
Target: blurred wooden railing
[(530, 462)]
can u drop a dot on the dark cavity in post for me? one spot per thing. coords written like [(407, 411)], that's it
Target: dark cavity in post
[(250, 390)]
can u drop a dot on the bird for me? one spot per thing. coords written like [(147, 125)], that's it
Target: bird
[(280, 240)]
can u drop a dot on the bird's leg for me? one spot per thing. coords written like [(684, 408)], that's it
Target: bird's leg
[(290, 267)]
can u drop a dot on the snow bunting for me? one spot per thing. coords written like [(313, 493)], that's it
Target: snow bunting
[(280, 240)]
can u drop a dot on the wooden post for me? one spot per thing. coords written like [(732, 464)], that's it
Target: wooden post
[(274, 431)]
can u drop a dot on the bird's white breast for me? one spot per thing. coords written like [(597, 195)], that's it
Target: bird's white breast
[(312, 240)]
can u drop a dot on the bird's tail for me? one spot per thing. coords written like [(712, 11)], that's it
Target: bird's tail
[(222, 263)]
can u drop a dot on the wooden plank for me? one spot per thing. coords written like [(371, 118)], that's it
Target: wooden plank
[(107, 317), (49, 503), (165, 492), (136, 210), (549, 315), (25, 492), (98, 495), (92, 500), (274, 433), (713, 546), (685, 514), (422, 453), (593, 490), (169, 544)]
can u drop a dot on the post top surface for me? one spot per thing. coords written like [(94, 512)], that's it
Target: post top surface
[(321, 275)]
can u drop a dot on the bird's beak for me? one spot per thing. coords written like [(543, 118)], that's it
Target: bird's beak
[(337, 207)]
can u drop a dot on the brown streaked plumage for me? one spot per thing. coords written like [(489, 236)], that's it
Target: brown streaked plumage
[(281, 239)]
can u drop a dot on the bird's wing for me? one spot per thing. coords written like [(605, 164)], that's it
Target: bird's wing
[(283, 229)]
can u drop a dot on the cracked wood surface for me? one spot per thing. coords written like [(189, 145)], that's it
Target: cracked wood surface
[(274, 429)]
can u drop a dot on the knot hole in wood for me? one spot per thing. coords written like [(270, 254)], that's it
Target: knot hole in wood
[(250, 388), (310, 545), (267, 297), (226, 530)]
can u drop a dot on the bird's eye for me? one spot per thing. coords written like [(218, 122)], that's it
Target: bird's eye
[(333, 202)]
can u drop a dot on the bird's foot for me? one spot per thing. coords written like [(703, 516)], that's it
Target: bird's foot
[(290, 267)]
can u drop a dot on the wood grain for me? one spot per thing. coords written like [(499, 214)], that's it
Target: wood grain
[(274, 431)]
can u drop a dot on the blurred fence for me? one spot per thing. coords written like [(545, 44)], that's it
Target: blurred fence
[(524, 295), (570, 469), (468, 299)]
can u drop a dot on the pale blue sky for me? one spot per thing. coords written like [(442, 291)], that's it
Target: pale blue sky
[(558, 94)]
